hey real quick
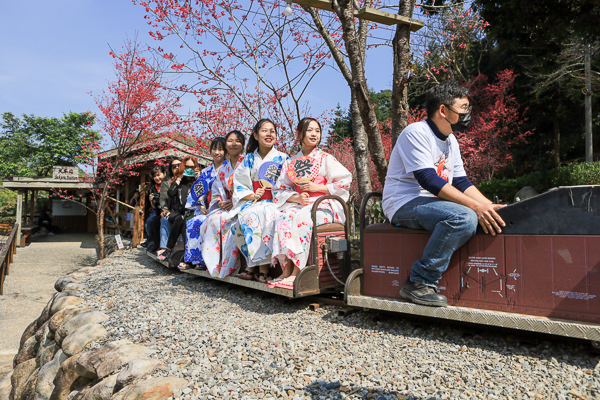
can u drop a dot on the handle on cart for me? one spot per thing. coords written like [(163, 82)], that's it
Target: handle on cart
[(314, 239), (363, 214)]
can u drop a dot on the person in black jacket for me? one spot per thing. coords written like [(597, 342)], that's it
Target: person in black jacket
[(177, 195), (45, 221)]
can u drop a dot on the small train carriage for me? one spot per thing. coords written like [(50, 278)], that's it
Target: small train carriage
[(327, 269), (541, 274)]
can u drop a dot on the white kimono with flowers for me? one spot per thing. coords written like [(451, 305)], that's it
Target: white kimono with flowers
[(253, 230), (294, 225), (219, 251), (194, 225)]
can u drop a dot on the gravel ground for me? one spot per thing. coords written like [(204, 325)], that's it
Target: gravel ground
[(234, 343)]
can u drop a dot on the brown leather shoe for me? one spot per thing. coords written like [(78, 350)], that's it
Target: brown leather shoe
[(422, 294)]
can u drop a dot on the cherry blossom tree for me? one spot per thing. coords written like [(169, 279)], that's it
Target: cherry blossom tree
[(136, 115)]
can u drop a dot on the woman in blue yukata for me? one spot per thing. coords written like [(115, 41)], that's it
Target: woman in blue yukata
[(253, 231), (200, 205), (219, 251)]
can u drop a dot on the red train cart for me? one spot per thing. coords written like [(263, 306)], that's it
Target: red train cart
[(541, 274)]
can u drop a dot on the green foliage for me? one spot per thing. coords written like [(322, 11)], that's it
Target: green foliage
[(570, 175), (33, 145), (8, 202)]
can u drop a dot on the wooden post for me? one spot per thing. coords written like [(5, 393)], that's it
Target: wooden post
[(32, 207), (26, 208), (142, 205), (19, 215), (135, 237)]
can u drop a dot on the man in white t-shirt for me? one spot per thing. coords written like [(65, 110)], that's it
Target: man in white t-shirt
[(426, 187)]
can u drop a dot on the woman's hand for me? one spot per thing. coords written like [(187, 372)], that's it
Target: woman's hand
[(226, 205), (165, 213), (259, 193), (313, 187), (203, 210), (302, 199)]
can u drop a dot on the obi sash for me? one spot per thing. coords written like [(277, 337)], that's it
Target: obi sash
[(268, 195), (319, 180)]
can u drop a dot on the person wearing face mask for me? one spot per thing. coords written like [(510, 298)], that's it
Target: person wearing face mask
[(200, 205), (426, 187), (178, 191)]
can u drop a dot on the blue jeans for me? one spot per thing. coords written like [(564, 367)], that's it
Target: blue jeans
[(165, 229), (452, 226), (149, 228)]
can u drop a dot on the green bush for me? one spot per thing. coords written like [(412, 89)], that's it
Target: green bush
[(569, 175)]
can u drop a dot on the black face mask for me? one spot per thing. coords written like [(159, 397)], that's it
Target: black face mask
[(464, 119)]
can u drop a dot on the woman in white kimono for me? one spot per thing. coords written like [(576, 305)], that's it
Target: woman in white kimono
[(253, 231), (193, 254), (219, 252), (293, 230)]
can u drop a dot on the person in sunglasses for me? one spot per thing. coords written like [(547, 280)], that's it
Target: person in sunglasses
[(426, 187)]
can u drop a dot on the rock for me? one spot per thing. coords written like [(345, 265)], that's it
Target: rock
[(29, 332), (150, 389), (60, 284), (29, 387), (86, 270), (46, 312), (40, 332), (20, 375), (103, 390), (46, 375), (67, 380), (89, 317), (64, 316), (100, 363), (136, 369), (88, 361), (28, 352), (63, 302), (74, 286), (525, 193), (5, 386), (46, 353), (81, 337)]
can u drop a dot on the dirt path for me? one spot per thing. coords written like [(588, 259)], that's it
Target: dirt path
[(31, 284)]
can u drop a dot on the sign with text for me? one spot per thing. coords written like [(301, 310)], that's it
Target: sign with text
[(65, 173)]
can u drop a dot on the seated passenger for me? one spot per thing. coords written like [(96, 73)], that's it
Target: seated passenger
[(426, 163), (45, 221), (164, 202), (253, 231), (153, 222), (193, 247), (219, 251), (177, 194), (294, 228)]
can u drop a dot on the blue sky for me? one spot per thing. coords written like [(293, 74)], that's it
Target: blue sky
[(54, 53)]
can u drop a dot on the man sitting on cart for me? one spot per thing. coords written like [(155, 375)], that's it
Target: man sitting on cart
[(426, 187)]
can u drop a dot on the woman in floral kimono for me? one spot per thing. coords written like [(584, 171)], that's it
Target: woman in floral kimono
[(293, 230), (253, 231), (193, 254), (218, 249)]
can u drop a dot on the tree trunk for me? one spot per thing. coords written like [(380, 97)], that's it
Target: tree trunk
[(360, 90), (100, 224), (360, 146), (556, 155), (401, 78)]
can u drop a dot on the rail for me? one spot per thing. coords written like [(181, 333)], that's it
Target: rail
[(9, 248)]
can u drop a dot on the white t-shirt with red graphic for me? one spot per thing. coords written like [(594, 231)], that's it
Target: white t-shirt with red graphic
[(418, 148)]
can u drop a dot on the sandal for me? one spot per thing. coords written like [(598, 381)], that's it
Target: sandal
[(165, 255), (261, 275), (201, 267), (184, 265), (245, 275)]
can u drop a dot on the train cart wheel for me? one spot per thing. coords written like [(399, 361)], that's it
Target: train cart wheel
[(595, 344)]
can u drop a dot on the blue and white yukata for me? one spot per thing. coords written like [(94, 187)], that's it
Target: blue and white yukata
[(193, 254), (254, 228)]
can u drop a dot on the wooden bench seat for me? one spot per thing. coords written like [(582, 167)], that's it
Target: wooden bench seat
[(27, 233)]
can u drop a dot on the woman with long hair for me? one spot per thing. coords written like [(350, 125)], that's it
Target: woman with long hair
[(165, 225), (201, 204), (293, 229), (219, 251), (178, 191), (253, 231)]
